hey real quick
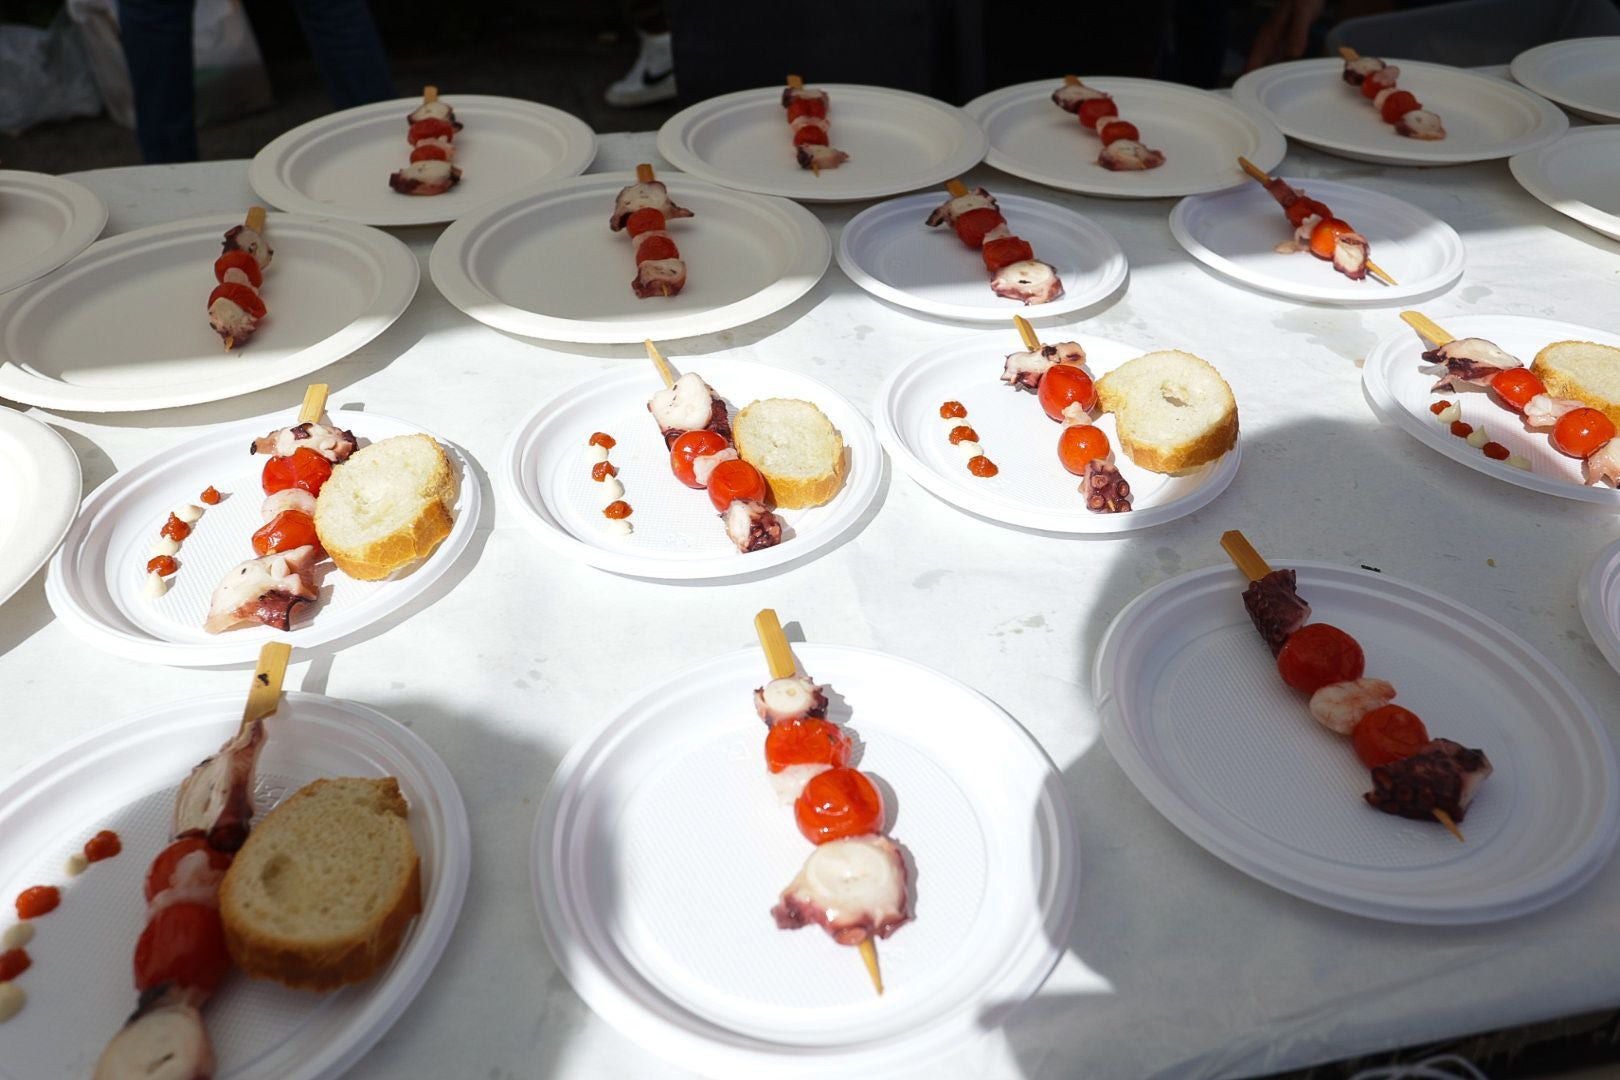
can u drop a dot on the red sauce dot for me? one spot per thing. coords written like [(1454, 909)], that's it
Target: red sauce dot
[(1495, 451), (1439, 407), (210, 495), (163, 565), (13, 962), (104, 845), (1461, 429), (602, 439), (175, 529), (952, 410), (602, 470), (617, 510), (963, 433), (38, 900), (982, 466)]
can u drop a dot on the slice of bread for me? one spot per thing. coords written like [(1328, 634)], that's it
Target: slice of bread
[(1582, 371), (387, 506), (321, 893), (795, 447), (1173, 411)]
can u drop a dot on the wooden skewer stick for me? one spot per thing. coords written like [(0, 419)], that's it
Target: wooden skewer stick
[(795, 82), (1032, 342), (956, 188), (265, 694), (779, 658), (430, 94), (314, 403), (665, 372), (1348, 53), (1258, 175), (644, 173), (1071, 80), (1427, 328), (1255, 567)]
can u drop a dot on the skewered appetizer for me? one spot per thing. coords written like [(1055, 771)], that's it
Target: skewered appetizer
[(1014, 271), (643, 210), (432, 132), (1413, 775), (807, 116), (1376, 81), (1316, 229), (1122, 148), (234, 307)]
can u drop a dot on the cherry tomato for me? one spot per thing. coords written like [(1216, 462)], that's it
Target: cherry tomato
[(657, 247), (809, 134), (430, 152), (1080, 444), (13, 962), (798, 107), (38, 900), (1325, 235), (1318, 654), (240, 295), (1300, 209), (1398, 105), (806, 741), (1095, 109), (644, 220), (183, 944), (1369, 89), (1115, 130), (690, 446), (1582, 432), (838, 803), (1005, 252), (287, 530), (733, 480), (431, 128), (972, 226), (1064, 385), (239, 260), (303, 469), (1388, 734), (1517, 386), (161, 873)]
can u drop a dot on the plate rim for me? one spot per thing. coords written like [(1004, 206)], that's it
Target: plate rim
[(1592, 597), (1525, 63), (85, 207), (1529, 169), (43, 445)]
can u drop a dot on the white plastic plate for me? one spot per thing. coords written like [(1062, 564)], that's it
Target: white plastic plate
[(545, 474), (124, 778), (97, 581), (124, 326), (1202, 136), (1600, 602), (671, 793), (546, 265), (1235, 233), (338, 165), (897, 141), (1032, 489), (39, 496), (1576, 176), (1578, 73), (44, 221), (1194, 711), (1485, 118), (1394, 377), (889, 251)]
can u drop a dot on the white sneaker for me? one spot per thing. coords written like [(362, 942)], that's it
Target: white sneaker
[(650, 79)]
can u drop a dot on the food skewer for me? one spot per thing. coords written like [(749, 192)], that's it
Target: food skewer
[(642, 210), (1015, 272), (1393, 105), (796, 82), (431, 133), (235, 322), (1254, 567), (1258, 175)]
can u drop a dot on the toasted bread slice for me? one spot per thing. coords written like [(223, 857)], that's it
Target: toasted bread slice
[(321, 893), (1582, 371), (1173, 411), (387, 506), (795, 447)]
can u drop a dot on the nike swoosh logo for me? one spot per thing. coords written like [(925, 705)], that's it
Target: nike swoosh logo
[(648, 77)]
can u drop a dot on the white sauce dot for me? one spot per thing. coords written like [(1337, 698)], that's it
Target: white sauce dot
[(1477, 438), (17, 935), (76, 864), (969, 449), (1518, 461), (596, 452), (12, 1000), (1450, 414), (619, 526), (190, 513), (155, 584), (612, 490), (165, 546)]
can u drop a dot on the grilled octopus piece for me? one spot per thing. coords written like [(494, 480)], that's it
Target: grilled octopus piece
[(790, 94), (216, 800), (948, 211), (333, 444), (434, 110), (431, 177), (792, 697), (1070, 96), (164, 1040), (751, 526), (1128, 155), (242, 238), (659, 277), (1350, 255), (264, 590), (1275, 608), (1603, 467), (1355, 71), (689, 405), (1030, 280), (651, 195), (1285, 193), (1024, 370), (1106, 491), (1474, 361), (1443, 775), (1421, 124), (812, 156), (853, 888)]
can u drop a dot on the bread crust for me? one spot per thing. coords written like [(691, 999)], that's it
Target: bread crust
[(1208, 446), (792, 492), (1561, 384), (405, 545)]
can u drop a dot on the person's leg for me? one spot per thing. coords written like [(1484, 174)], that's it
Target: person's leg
[(343, 38), (652, 77), (157, 47)]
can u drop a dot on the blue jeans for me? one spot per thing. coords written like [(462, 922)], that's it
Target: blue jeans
[(157, 46)]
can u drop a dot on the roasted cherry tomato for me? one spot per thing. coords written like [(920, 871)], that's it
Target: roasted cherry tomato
[(1517, 386), (1094, 110), (1302, 208), (810, 134), (1582, 432), (1370, 89), (303, 469), (38, 900), (1080, 444), (1326, 235), (644, 220), (1318, 654), (240, 295), (183, 944), (1005, 252), (1388, 734), (161, 873), (287, 530), (657, 247), (239, 260), (430, 152), (1398, 105), (1115, 130), (798, 107), (971, 226), (690, 446), (1064, 385), (838, 803), (733, 480), (806, 741), (431, 128)]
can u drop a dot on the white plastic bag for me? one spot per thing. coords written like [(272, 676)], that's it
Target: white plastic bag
[(44, 75)]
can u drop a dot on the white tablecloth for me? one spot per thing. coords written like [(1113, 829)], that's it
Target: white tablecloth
[(1178, 965)]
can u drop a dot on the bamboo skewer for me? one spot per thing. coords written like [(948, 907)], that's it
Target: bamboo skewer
[(1071, 80), (430, 94), (264, 696), (956, 188), (1254, 567), (1348, 53), (665, 372), (779, 658), (1258, 175), (1427, 328), (314, 404), (1031, 341), (254, 221)]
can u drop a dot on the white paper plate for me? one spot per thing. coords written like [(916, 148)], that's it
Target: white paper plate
[(545, 476), (1600, 602), (1576, 176), (546, 264), (97, 581), (897, 141), (39, 496), (338, 165), (1032, 490), (1394, 378), (1579, 73), (1485, 118), (1235, 233), (44, 221), (1202, 136), (889, 251), (702, 976), (124, 778), (1278, 796), (124, 326)]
